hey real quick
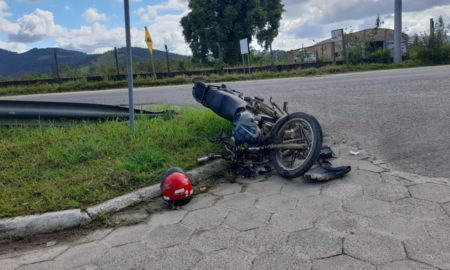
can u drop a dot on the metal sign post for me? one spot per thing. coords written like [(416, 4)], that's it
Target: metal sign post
[(129, 63), (398, 32)]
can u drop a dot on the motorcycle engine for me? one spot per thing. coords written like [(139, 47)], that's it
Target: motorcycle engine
[(245, 129)]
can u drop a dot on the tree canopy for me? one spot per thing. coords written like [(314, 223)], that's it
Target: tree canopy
[(217, 26)]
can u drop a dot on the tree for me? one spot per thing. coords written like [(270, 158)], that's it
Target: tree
[(217, 26)]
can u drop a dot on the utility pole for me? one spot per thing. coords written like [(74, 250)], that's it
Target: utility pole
[(56, 64), (167, 59), (126, 4), (398, 32), (117, 61)]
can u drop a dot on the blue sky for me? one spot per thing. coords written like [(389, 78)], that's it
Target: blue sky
[(97, 25)]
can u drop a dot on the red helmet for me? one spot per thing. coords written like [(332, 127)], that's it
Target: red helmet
[(176, 187)]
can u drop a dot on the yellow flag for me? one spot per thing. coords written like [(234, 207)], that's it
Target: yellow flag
[(148, 40)]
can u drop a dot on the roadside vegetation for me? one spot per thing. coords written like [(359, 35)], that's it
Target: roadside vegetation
[(50, 168), (83, 85)]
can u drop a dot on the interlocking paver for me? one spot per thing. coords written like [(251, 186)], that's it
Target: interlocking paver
[(179, 257), (362, 177), (435, 252), (226, 259), (368, 166), (342, 190), (386, 192), (315, 243), (280, 261), (406, 265), (126, 235), (226, 189), (446, 206), (298, 188), (215, 239), (8, 264), (431, 192), (398, 226), (276, 203), (366, 206), (341, 262), (81, 255), (343, 223), (200, 201), (439, 229), (237, 201), (166, 217), (419, 209), (264, 188), (374, 248), (247, 219), (45, 254), (167, 235), (322, 204), (263, 239), (294, 220), (130, 256), (204, 219)]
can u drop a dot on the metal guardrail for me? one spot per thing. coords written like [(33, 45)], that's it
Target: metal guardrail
[(18, 112), (274, 68)]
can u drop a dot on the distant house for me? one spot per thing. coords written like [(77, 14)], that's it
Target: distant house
[(380, 38)]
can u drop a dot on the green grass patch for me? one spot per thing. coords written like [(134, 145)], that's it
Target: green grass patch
[(54, 168), (83, 85)]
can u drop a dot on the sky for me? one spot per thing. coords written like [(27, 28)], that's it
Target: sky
[(96, 26)]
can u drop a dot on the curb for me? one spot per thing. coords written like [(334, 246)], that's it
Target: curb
[(60, 220)]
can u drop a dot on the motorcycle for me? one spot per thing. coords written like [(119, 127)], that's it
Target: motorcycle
[(263, 135)]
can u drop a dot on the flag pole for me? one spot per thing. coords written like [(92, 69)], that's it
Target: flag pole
[(148, 40), (129, 63)]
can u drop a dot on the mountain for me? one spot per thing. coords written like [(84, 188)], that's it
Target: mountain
[(41, 61)]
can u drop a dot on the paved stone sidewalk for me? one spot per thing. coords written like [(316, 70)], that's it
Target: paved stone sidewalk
[(371, 219)]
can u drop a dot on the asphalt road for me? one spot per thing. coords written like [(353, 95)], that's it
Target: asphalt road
[(403, 116)]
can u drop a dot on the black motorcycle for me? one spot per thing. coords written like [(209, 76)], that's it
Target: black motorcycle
[(262, 134)]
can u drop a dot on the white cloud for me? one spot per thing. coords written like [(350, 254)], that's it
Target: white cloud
[(92, 15), (35, 26), (13, 46), (67, 7), (151, 12)]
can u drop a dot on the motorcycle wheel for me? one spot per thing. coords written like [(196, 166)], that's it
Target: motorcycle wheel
[(300, 128)]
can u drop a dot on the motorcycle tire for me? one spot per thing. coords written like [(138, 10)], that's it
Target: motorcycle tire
[(308, 122)]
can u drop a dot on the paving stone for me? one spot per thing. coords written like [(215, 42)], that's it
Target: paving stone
[(205, 219), (366, 206), (391, 179), (226, 189), (126, 235), (386, 192), (130, 256), (374, 248), (179, 257), (40, 255), (8, 264), (315, 243), (446, 206), (166, 217), (247, 219), (439, 229), (167, 235), (264, 188), (298, 188), (47, 265), (322, 204), (343, 223), (342, 190), (276, 203), (200, 201), (81, 255), (294, 220), (280, 261), (237, 201), (399, 227), (226, 259), (361, 177), (215, 239), (96, 235), (435, 252), (406, 265), (263, 239), (341, 262), (419, 209), (368, 166), (431, 192), (87, 267)]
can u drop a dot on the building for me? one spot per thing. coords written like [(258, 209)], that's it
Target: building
[(364, 40)]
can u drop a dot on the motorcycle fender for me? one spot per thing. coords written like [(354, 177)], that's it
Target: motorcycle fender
[(277, 125)]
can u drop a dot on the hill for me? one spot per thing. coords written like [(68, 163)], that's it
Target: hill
[(41, 61)]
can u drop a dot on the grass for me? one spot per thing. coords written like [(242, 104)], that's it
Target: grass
[(82, 84), (54, 168)]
